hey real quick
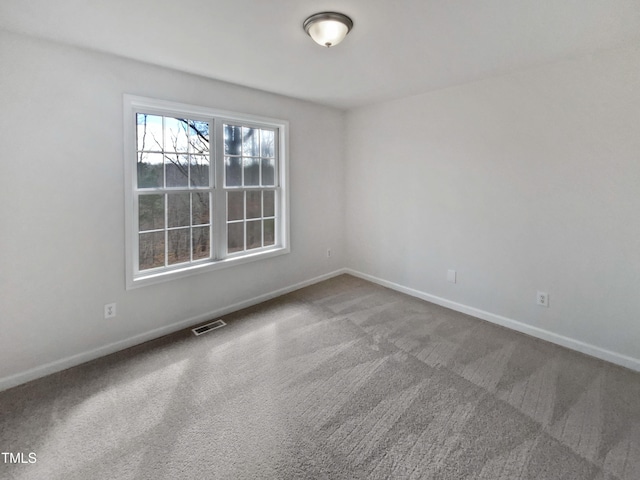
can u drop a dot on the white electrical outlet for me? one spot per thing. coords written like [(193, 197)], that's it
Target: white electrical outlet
[(542, 299), (110, 310), (451, 276)]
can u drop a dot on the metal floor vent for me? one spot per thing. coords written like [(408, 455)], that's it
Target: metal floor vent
[(208, 327)]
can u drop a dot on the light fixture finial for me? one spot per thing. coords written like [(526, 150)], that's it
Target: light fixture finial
[(328, 28)]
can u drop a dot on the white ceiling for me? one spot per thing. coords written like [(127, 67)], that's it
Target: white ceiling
[(397, 48)]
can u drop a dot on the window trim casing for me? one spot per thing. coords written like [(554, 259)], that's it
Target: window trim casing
[(132, 104)]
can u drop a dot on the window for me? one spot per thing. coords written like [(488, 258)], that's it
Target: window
[(205, 189)]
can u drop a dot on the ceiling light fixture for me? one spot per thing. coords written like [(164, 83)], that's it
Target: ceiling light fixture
[(328, 28)]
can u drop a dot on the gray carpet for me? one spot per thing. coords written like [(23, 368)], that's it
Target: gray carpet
[(344, 379)]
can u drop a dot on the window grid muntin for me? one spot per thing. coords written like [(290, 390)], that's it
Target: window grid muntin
[(216, 233), (212, 173), (241, 156), (165, 190), (166, 229), (243, 187), (191, 120), (261, 218)]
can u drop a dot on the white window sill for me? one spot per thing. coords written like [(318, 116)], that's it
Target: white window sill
[(152, 278)]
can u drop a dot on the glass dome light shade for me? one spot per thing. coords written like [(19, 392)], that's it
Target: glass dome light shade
[(328, 28)]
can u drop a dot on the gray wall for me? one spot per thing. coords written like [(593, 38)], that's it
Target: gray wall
[(62, 204), (526, 182)]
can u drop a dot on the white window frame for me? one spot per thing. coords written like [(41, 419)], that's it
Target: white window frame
[(218, 258)]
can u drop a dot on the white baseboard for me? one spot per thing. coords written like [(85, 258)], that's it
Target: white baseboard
[(68, 362), (577, 345), (72, 361)]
